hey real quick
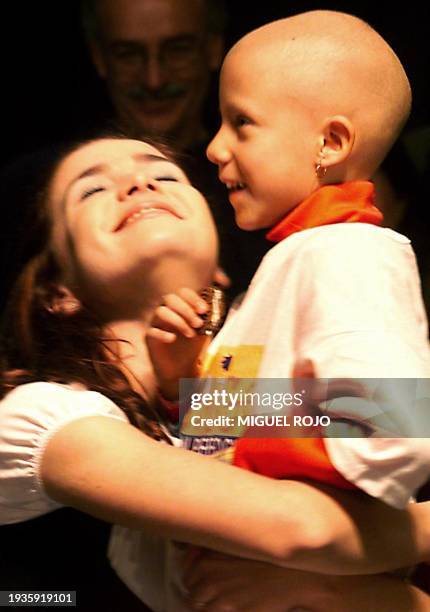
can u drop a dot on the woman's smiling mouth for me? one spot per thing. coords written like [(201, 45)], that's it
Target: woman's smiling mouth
[(147, 210)]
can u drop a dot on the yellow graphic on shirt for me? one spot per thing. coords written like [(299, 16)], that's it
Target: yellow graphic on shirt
[(232, 364), (233, 361)]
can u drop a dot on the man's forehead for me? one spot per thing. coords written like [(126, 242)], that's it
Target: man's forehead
[(142, 19)]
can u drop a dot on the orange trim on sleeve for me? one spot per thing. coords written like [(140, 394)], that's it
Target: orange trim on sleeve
[(283, 458)]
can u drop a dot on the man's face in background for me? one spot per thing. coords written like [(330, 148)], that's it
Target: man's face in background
[(157, 57)]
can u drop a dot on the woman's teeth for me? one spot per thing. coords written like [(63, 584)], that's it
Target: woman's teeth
[(141, 213)]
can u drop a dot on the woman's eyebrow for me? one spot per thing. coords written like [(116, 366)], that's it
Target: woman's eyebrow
[(151, 157)]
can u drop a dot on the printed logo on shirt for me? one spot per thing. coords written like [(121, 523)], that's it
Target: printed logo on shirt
[(207, 445), (233, 361)]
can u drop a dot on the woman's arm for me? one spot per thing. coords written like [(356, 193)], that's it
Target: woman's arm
[(111, 470)]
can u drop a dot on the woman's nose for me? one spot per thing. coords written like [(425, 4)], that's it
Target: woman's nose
[(136, 183), (217, 151)]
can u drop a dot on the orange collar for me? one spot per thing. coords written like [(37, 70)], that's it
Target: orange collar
[(344, 203)]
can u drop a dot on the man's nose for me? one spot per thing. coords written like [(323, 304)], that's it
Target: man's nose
[(155, 73)]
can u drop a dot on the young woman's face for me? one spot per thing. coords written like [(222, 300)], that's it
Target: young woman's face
[(120, 208)]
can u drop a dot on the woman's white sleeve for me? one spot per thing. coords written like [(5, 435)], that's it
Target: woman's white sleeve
[(29, 416)]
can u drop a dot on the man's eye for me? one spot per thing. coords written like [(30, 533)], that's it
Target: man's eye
[(91, 191), (125, 54)]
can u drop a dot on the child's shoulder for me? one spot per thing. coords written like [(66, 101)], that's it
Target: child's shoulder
[(359, 243), (343, 235)]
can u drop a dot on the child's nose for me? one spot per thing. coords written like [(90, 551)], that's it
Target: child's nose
[(217, 151)]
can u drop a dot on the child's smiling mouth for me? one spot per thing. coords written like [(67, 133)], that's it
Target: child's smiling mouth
[(231, 187)]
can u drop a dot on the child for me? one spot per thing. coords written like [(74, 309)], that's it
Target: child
[(310, 106)]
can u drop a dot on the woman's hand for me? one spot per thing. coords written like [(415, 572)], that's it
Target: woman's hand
[(173, 341)]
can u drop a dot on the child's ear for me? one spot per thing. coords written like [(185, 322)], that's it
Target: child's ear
[(337, 141), (62, 301)]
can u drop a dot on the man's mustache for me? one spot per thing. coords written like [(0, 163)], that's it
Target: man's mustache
[(140, 92)]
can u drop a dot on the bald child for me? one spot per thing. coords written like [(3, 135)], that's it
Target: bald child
[(310, 106)]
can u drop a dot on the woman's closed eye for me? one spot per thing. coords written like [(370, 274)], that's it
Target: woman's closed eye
[(167, 178), (91, 191)]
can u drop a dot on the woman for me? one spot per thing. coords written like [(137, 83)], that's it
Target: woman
[(120, 226)]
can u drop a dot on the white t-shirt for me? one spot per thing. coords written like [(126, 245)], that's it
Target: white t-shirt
[(347, 299), (29, 416)]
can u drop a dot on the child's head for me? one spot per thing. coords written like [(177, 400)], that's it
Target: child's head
[(313, 99)]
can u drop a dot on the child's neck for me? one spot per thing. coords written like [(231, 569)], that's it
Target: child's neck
[(344, 203)]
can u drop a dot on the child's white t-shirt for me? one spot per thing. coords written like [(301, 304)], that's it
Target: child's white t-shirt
[(347, 299)]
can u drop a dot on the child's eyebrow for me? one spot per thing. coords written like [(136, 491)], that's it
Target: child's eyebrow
[(233, 108), (230, 108)]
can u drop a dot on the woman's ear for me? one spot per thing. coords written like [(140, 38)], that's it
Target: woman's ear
[(62, 301), (337, 141)]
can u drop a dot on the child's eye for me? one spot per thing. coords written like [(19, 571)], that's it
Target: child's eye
[(241, 121), (91, 191)]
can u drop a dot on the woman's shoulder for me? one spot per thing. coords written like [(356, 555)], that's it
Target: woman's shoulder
[(35, 410), (55, 399), (29, 415)]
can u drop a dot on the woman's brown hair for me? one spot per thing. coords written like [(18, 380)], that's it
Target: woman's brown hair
[(40, 342)]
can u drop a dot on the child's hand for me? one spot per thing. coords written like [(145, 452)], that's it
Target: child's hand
[(173, 341), (221, 279)]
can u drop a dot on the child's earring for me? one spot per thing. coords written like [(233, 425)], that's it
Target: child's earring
[(320, 170)]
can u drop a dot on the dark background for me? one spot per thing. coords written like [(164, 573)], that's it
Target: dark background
[(51, 92)]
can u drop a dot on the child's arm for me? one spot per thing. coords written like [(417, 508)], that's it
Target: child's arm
[(173, 341)]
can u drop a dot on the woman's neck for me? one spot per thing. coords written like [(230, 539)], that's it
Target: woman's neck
[(128, 343), (127, 327)]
